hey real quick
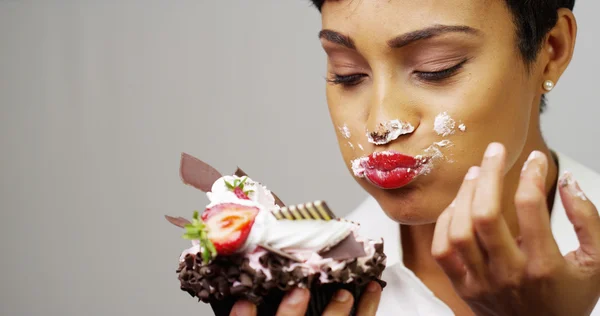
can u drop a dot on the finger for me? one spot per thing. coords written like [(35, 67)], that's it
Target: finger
[(461, 232), (486, 212), (341, 304), (583, 215), (369, 301), (441, 249), (243, 308), (532, 211), (294, 303)]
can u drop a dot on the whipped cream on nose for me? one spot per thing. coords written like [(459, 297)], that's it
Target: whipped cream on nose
[(389, 131)]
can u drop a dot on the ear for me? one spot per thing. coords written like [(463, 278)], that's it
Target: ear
[(558, 47)]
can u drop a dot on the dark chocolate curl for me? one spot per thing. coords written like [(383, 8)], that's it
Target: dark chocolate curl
[(264, 260), (239, 290), (189, 261), (207, 271), (197, 173), (203, 295), (233, 271), (246, 280)]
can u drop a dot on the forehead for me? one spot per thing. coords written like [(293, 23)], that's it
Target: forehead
[(389, 17)]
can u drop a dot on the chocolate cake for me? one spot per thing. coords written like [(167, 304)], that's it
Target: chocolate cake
[(248, 245)]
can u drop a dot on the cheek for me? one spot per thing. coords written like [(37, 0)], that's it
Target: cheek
[(495, 108), (349, 125)]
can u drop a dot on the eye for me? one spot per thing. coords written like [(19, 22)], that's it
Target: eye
[(440, 75), (347, 80)]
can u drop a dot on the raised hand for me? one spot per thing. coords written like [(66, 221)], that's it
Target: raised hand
[(497, 274)]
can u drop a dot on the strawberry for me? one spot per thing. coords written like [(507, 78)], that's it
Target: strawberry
[(238, 188), (229, 225), (239, 192)]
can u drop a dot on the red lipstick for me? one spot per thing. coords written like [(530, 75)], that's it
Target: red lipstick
[(388, 169)]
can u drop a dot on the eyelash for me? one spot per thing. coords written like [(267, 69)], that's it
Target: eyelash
[(347, 81), (435, 76)]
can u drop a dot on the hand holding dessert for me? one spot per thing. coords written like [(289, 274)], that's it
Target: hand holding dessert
[(295, 303)]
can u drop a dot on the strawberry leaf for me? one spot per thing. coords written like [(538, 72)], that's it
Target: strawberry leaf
[(196, 230)]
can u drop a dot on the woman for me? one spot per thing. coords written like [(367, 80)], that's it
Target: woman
[(421, 91)]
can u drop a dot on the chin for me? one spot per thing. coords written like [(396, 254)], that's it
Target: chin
[(407, 206)]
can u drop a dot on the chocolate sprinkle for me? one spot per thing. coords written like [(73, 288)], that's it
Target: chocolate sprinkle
[(214, 281)]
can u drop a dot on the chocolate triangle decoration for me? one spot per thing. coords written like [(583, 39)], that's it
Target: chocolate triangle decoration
[(347, 249), (177, 221), (280, 252), (240, 173), (197, 173)]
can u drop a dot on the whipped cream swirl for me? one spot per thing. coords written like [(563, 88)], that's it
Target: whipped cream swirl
[(295, 235)]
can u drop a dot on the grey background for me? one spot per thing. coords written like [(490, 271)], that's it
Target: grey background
[(98, 98)]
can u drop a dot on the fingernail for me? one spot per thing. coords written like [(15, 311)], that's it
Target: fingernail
[(296, 296), (372, 287), (473, 173), (493, 149), (453, 204), (243, 308), (533, 156), (342, 296), (572, 186)]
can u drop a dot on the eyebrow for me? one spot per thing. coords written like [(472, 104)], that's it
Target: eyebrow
[(337, 38), (404, 39)]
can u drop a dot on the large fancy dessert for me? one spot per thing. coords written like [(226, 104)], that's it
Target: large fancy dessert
[(247, 245)]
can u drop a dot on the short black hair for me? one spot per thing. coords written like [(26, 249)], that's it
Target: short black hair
[(533, 20)]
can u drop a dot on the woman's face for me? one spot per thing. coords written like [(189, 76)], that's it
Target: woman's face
[(448, 71)]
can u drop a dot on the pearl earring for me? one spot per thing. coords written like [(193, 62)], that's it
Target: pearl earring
[(548, 85)]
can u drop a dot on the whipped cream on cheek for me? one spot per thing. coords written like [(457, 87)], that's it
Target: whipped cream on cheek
[(345, 131), (358, 166), (444, 125)]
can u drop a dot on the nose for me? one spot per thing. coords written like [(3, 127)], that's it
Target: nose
[(390, 116)]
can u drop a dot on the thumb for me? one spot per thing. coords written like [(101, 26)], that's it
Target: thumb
[(582, 213), (243, 308)]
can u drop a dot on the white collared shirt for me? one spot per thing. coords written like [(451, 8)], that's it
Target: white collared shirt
[(405, 294)]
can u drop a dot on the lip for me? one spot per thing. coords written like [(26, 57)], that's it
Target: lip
[(389, 169)]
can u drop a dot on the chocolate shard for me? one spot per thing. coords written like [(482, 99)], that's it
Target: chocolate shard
[(240, 173), (177, 221), (280, 253), (197, 173), (348, 248)]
